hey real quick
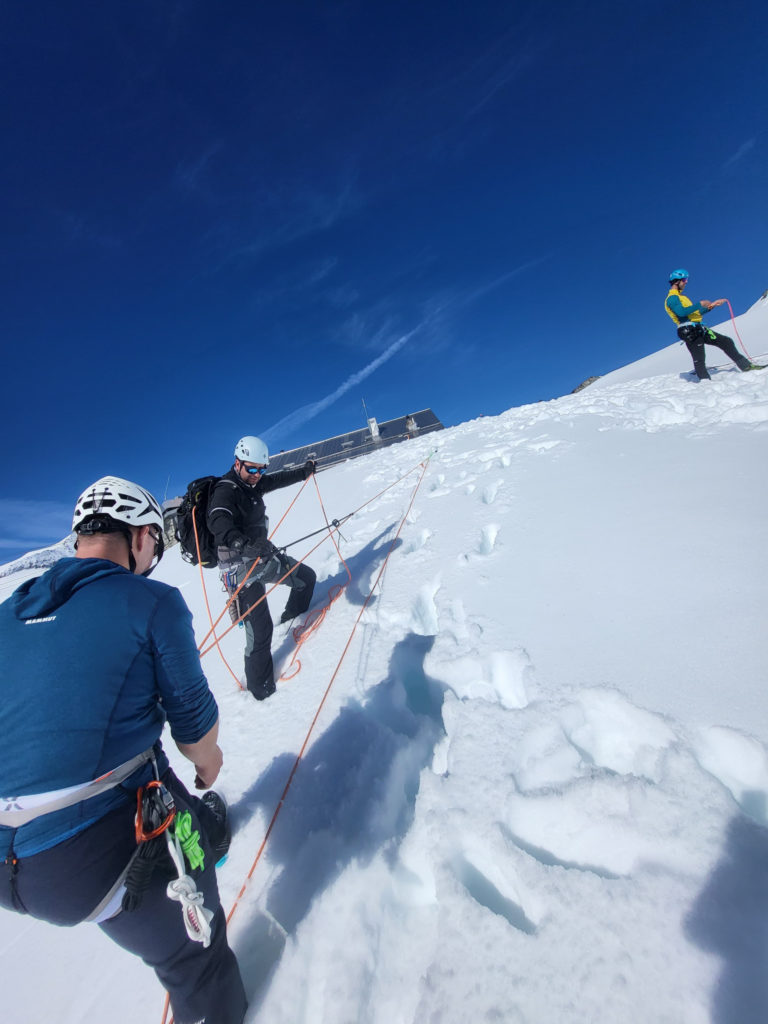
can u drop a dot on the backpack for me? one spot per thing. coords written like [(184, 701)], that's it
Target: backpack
[(197, 497)]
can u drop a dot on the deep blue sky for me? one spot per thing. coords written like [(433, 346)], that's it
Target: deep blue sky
[(217, 215)]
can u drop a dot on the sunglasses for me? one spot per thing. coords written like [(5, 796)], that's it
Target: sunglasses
[(253, 470), (157, 537)]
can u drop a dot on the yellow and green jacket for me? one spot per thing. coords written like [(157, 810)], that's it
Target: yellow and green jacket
[(682, 310)]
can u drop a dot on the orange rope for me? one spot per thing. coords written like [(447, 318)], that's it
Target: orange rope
[(314, 620), (207, 605), (323, 700), (245, 580), (736, 330), (221, 614), (293, 568), (278, 808)]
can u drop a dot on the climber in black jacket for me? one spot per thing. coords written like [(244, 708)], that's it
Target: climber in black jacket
[(238, 521)]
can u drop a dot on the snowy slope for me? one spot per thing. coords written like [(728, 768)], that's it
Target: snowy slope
[(536, 792)]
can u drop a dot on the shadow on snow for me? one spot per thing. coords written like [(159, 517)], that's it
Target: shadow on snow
[(353, 795), (730, 918)]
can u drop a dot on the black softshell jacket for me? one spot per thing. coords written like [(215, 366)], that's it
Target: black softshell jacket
[(236, 512)]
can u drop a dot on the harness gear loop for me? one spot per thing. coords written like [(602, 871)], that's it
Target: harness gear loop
[(197, 917), (155, 810)]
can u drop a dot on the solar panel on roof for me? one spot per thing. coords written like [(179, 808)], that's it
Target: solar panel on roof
[(355, 443)]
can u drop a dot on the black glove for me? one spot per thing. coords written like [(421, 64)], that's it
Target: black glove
[(262, 548), (310, 467)]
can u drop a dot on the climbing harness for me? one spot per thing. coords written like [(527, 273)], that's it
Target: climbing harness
[(19, 810), (156, 817)]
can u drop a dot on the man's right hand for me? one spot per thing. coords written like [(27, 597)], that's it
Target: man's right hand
[(262, 549), (208, 772), (205, 754)]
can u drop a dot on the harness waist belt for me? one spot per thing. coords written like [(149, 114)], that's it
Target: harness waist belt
[(19, 810)]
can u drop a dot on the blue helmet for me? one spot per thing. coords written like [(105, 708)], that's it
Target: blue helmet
[(678, 275)]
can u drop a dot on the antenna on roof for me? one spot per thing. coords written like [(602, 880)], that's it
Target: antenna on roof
[(365, 410)]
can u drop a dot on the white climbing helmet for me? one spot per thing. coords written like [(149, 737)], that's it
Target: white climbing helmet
[(252, 449), (119, 500)]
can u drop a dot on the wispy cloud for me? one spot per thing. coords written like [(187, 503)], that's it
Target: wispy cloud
[(740, 153), (33, 523), (303, 415), (300, 280), (83, 229), (499, 78), (298, 210), (191, 176), (357, 331), (497, 282)]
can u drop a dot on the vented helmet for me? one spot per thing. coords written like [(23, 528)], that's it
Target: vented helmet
[(252, 449), (111, 505), (678, 275), (117, 499)]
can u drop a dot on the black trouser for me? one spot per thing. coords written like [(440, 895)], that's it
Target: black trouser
[(696, 337), (63, 885), (259, 669)]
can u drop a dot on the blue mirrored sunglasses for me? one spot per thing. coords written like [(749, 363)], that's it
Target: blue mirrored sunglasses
[(253, 470)]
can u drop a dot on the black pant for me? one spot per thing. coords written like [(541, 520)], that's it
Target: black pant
[(696, 337), (259, 669), (63, 885)]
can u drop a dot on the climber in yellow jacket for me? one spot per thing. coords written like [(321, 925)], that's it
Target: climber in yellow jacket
[(687, 316)]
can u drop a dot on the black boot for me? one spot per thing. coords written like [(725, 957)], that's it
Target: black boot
[(217, 805)]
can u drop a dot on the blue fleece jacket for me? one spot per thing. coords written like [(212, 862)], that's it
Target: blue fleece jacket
[(92, 661)]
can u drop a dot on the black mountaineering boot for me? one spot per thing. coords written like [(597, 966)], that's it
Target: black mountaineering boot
[(221, 839)]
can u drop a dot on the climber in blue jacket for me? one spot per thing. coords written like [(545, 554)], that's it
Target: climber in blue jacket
[(94, 659)]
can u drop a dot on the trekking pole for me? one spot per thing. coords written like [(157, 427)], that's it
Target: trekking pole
[(334, 522)]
